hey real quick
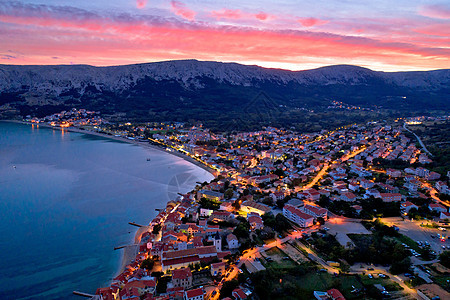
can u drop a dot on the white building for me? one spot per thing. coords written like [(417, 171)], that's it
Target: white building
[(297, 216)]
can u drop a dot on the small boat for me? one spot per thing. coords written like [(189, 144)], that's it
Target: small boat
[(148, 159), (14, 167)]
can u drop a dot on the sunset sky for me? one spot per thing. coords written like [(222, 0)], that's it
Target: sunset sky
[(290, 34)]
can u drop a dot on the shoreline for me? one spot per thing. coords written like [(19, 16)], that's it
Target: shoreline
[(122, 139), (130, 250)]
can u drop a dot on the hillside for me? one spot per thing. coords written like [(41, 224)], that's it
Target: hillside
[(191, 89)]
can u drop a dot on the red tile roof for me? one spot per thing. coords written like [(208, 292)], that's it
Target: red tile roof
[(194, 293), (181, 274)]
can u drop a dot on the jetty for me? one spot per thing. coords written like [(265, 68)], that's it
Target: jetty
[(86, 295), (120, 247), (135, 224)]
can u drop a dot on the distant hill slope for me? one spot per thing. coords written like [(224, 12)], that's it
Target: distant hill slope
[(198, 90)]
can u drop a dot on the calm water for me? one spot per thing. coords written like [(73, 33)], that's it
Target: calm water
[(66, 205)]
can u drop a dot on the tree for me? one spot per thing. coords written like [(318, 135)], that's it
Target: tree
[(280, 203), (321, 220), (236, 204), (148, 264), (401, 266), (227, 288), (228, 193), (444, 258), (156, 229), (345, 267)]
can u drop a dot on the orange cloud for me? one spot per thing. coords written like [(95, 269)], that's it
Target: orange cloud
[(141, 3), (310, 22), (181, 10), (84, 37)]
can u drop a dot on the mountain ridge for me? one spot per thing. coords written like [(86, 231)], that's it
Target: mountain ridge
[(191, 89), (187, 70)]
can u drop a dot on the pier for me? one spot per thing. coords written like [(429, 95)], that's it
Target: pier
[(120, 247), (86, 295), (135, 224)]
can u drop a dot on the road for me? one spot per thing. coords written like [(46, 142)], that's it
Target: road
[(420, 141), (229, 276), (325, 168), (433, 193)]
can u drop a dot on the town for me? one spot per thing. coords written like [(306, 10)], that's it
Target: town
[(360, 212)]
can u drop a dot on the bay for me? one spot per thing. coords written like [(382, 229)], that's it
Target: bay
[(65, 201)]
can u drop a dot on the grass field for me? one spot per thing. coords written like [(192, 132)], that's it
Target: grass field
[(443, 281), (280, 259), (388, 284), (408, 241)]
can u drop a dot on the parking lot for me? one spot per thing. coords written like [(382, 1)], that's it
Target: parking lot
[(413, 230), (341, 227)]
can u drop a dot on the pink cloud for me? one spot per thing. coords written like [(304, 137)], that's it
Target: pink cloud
[(227, 14), (77, 35), (141, 3), (435, 11), (435, 30), (262, 16), (237, 14), (181, 10), (309, 22)]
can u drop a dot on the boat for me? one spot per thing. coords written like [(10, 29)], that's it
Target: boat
[(148, 159)]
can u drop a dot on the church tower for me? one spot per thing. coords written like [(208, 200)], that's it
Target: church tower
[(218, 242)]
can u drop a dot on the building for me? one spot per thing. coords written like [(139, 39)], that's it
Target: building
[(238, 294), (277, 196), (233, 242), (348, 196), (195, 294), (211, 195), (407, 206), (182, 258), (221, 216), (218, 269), (391, 197), (218, 242), (444, 216), (315, 211), (255, 221), (335, 294), (393, 173), (297, 216), (442, 187), (254, 207), (182, 278), (437, 207)]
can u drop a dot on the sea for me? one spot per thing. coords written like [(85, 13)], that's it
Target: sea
[(65, 202)]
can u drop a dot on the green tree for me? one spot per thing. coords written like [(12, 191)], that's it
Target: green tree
[(227, 288), (148, 264), (156, 229), (401, 266), (444, 258), (228, 193)]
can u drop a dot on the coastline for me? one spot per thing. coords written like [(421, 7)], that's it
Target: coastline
[(129, 251), (122, 139)]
